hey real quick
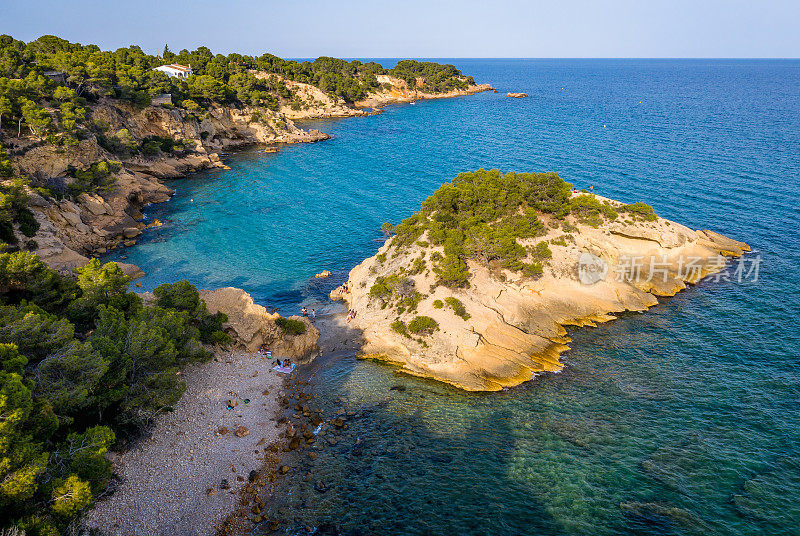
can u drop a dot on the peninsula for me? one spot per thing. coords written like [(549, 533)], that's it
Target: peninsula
[(475, 289)]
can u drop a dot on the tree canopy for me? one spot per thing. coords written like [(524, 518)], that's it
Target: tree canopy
[(84, 363), (482, 215)]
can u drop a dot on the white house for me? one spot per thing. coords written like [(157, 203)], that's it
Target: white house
[(178, 71)]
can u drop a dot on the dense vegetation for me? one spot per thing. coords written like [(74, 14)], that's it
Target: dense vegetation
[(33, 92), (83, 364), (483, 215)]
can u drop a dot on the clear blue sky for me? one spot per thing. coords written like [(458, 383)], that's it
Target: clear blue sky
[(423, 28)]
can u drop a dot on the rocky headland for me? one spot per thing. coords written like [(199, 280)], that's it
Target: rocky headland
[(394, 90), (251, 325), (476, 291)]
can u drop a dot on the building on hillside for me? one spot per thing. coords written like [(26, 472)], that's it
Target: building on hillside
[(173, 69)]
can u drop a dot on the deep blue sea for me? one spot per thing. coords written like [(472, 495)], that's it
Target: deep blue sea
[(682, 420)]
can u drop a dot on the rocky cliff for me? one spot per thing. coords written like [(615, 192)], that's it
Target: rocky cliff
[(505, 327), (251, 326), (71, 230)]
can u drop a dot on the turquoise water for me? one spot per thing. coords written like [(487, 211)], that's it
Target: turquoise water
[(682, 420)]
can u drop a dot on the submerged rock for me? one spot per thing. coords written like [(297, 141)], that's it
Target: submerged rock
[(661, 515)]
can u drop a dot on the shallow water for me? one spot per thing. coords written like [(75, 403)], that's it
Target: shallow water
[(681, 420)]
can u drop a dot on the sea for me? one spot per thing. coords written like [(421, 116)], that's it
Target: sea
[(684, 419)]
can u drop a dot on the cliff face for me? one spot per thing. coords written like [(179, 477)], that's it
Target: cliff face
[(512, 327)]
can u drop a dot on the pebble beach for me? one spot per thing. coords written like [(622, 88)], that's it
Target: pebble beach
[(172, 483)]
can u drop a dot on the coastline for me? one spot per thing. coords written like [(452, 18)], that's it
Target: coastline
[(73, 231), (307, 431)]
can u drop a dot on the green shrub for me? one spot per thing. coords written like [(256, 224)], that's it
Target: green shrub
[(457, 307), (418, 266), (291, 326), (423, 325), (27, 222), (438, 304), (99, 176), (183, 296), (151, 148), (541, 251), (384, 286), (588, 209), (399, 326), (640, 210), (533, 269)]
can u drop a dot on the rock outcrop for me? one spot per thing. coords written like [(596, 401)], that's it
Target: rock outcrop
[(394, 90), (516, 95), (251, 326), (512, 327)]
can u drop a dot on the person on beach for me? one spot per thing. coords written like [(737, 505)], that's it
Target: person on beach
[(313, 314), (304, 311), (591, 188)]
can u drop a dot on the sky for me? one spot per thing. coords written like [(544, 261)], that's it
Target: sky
[(423, 28)]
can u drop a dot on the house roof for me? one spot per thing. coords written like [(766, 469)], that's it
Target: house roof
[(176, 67)]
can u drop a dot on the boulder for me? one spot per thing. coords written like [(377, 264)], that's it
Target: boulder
[(93, 204), (131, 232), (250, 325), (72, 218), (516, 95), (323, 274), (131, 270)]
